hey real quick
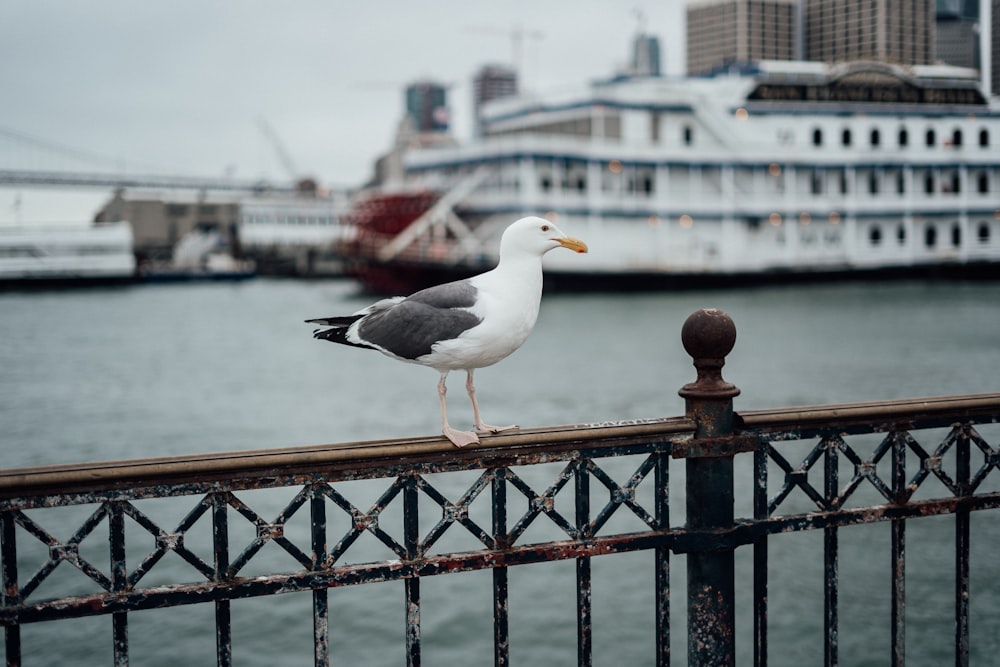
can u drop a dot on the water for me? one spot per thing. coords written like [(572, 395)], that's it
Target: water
[(160, 370)]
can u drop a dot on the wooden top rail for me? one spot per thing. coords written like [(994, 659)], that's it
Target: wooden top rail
[(902, 412), (500, 449), (352, 459)]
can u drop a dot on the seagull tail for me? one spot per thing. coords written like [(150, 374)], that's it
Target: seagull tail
[(338, 331), (335, 335)]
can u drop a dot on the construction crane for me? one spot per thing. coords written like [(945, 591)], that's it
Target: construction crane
[(517, 34), (279, 148)]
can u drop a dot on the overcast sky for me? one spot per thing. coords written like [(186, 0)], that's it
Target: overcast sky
[(182, 86)]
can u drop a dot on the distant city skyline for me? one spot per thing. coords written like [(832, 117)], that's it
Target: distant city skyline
[(726, 33)]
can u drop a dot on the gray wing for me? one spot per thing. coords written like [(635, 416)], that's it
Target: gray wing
[(409, 329), (459, 294)]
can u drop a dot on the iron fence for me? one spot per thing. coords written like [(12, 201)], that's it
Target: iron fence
[(808, 473)]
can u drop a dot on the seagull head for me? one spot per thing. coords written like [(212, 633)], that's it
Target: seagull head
[(533, 235)]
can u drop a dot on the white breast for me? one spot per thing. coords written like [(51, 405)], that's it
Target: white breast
[(507, 303)]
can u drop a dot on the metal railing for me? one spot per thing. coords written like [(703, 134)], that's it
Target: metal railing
[(321, 527)]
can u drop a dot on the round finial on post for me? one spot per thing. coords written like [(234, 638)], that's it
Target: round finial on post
[(708, 336)]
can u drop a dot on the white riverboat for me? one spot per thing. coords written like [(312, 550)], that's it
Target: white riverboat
[(781, 170), (66, 255)]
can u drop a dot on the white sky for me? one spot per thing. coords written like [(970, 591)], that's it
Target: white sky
[(181, 86)]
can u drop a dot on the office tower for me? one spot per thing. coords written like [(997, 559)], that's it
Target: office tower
[(490, 83), (736, 32), (427, 106), (645, 56), (895, 31), (957, 32), (994, 47)]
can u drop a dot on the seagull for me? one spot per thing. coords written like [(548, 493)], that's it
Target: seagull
[(461, 325)]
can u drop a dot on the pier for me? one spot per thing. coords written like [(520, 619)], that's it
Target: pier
[(576, 493)]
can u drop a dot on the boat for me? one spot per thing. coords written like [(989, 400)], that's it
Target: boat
[(67, 255), (770, 172), (200, 255)]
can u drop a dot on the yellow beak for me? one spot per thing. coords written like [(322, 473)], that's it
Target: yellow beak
[(576, 245)]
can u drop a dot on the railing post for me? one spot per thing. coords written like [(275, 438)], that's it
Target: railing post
[(708, 336)]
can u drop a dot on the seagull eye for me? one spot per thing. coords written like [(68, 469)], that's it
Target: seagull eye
[(545, 228)]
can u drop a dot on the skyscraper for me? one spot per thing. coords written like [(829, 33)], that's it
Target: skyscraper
[(490, 83), (427, 106), (645, 56), (895, 31), (966, 9), (957, 32), (733, 32), (994, 47)]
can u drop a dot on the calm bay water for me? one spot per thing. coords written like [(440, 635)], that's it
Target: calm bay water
[(160, 370)]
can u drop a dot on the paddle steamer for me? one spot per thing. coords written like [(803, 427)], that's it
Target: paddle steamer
[(777, 171)]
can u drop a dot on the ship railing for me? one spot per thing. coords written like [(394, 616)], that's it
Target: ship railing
[(356, 514)]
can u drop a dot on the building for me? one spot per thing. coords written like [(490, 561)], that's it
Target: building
[(966, 9), (427, 106), (645, 56), (158, 223), (726, 33), (492, 82), (285, 234), (957, 32), (892, 31), (995, 47)]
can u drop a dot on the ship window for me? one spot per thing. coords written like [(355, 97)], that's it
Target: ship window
[(875, 235), (929, 184), (983, 182), (873, 183), (984, 138), (983, 232), (904, 137), (956, 235), (843, 182), (900, 183), (901, 234), (956, 138), (930, 236), (20, 251), (931, 137), (845, 137), (817, 183), (581, 184), (876, 137), (817, 137), (688, 135), (956, 182), (545, 183)]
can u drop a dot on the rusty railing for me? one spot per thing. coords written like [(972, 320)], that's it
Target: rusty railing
[(577, 505)]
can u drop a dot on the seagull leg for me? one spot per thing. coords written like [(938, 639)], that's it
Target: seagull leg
[(458, 438), (479, 425)]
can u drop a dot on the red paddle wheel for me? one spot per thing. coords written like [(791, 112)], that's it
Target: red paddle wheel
[(378, 218)]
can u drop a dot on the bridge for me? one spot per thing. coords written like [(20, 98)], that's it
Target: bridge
[(30, 161), (85, 179)]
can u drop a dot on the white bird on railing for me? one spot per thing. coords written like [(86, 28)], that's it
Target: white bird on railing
[(462, 325)]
